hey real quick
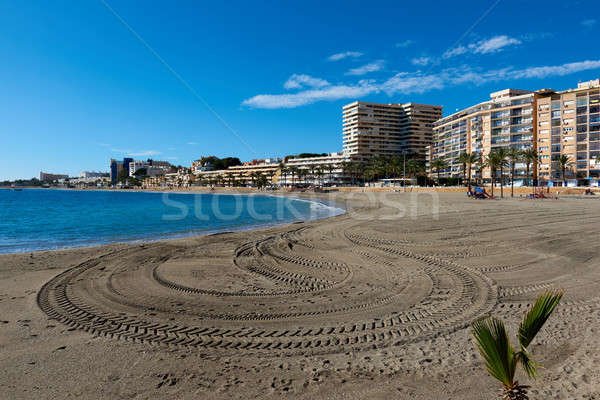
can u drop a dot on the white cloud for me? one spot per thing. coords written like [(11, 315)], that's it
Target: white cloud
[(406, 83), (556, 70), (421, 61), (297, 81), (404, 44), (494, 44), (334, 92), (491, 45), (365, 69), (589, 23), (454, 52), (345, 54), (414, 82), (193, 143)]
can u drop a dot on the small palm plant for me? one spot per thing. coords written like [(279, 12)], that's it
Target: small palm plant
[(501, 359)]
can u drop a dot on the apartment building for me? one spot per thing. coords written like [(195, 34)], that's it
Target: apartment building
[(371, 129), (327, 170), (243, 174), (506, 120), (117, 166), (152, 167), (46, 177), (550, 122), (569, 124)]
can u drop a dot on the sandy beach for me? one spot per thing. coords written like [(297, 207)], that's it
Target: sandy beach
[(372, 304)]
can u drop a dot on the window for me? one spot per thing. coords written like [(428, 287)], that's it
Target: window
[(569, 112), (556, 105), (582, 101), (544, 123), (556, 114), (568, 103)]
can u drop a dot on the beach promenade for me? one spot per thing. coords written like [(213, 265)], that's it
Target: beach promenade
[(375, 303)]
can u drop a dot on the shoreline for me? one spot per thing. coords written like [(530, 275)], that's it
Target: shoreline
[(337, 208)]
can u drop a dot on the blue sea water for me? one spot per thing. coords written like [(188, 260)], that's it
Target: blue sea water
[(38, 219)]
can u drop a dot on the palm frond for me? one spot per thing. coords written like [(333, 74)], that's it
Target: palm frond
[(537, 316), (529, 366), (494, 345)]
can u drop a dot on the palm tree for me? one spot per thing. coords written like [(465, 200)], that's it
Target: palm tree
[(253, 177), (493, 161), (530, 156), (347, 170), (564, 161), (312, 170), (284, 171), (514, 156), (293, 172), (230, 178), (270, 174), (320, 173), (501, 359), (481, 164), (463, 160), (439, 164), (468, 160), (503, 155), (302, 174), (497, 161), (330, 168)]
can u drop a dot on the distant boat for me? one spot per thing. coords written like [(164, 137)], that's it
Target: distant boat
[(16, 189)]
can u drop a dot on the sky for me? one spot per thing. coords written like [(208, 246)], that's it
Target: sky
[(85, 81)]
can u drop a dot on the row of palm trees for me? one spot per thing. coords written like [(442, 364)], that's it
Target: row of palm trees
[(355, 171), (315, 173), (499, 160)]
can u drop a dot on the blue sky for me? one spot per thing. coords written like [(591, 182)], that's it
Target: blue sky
[(78, 87)]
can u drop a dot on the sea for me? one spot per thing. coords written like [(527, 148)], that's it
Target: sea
[(48, 219)]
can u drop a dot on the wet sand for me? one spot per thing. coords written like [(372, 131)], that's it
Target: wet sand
[(372, 304)]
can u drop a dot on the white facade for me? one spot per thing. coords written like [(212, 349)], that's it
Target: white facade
[(319, 170)]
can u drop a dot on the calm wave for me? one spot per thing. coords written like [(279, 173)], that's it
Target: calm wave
[(50, 219)]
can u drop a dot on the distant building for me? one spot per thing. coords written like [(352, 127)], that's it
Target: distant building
[(116, 167), (199, 166), (372, 129), (91, 175), (46, 177), (152, 167)]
